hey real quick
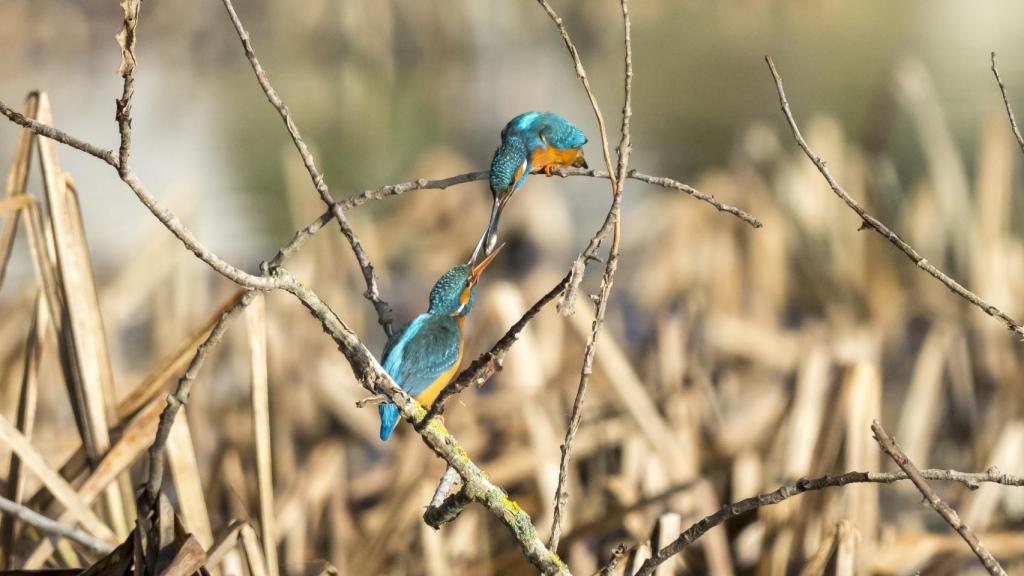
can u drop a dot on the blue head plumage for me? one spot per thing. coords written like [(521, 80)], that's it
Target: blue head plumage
[(509, 166), (454, 293)]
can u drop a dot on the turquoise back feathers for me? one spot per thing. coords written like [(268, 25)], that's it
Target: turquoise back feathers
[(521, 137), (530, 141)]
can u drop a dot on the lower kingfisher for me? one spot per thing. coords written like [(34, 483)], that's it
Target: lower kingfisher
[(531, 142), (422, 356)]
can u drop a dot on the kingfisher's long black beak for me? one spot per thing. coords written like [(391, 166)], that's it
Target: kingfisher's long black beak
[(490, 236), (474, 274)]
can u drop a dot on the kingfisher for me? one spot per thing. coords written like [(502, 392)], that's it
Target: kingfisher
[(423, 356), (530, 143)]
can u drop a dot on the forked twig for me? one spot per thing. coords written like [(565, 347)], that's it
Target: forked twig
[(52, 527), (888, 445), (561, 496), (384, 314), (181, 395), (970, 479), (875, 224)]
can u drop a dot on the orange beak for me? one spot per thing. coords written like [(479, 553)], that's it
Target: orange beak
[(474, 274)]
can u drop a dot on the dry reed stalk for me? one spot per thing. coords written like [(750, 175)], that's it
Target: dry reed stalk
[(16, 183), (256, 322), (27, 402), (94, 390), (253, 551), (632, 393), (668, 525), (189, 558), (863, 402), (14, 205), (172, 364), (134, 440), (188, 484), (57, 485), (918, 427)]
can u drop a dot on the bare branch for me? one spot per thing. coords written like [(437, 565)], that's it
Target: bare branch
[(476, 486), (969, 479), (56, 135), (561, 496), (617, 555), (384, 313), (582, 75), (888, 445), (1006, 102), (488, 363), (126, 38), (444, 508), (181, 394), (872, 222), (301, 236), (52, 527)]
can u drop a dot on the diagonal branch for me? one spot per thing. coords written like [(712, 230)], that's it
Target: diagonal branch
[(52, 527), (970, 479), (384, 314), (181, 394), (488, 363), (875, 224), (888, 445), (1006, 102)]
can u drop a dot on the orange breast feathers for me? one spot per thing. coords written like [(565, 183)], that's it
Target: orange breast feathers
[(427, 397), (543, 159)]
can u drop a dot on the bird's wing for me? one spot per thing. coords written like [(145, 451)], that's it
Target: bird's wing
[(395, 338), (428, 348), (558, 132)]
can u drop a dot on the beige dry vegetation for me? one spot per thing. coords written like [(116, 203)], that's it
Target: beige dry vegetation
[(735, 360)]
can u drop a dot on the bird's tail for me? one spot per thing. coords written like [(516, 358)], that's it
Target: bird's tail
[(388, 419)]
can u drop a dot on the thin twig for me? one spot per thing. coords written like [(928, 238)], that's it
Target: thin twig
[(878, 226), (442, 508), (561, 496), (126, 38), (445, 486), (971, 480), (488, 363), (52, 527), (301, 236), (369, 373), (56, 135), (384, 313), (180, 397), (889, 446), (476, 486), (617, 555), (581, 73), (1006, 102)]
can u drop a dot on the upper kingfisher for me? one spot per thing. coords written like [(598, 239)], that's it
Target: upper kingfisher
[(531, 142), (422, 356)]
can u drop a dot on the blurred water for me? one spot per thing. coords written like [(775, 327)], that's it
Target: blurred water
[(377, 85)]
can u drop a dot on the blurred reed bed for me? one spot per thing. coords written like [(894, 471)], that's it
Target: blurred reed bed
[(735, 360)]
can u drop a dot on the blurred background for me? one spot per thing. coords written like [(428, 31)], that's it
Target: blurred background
[(733, 359)]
